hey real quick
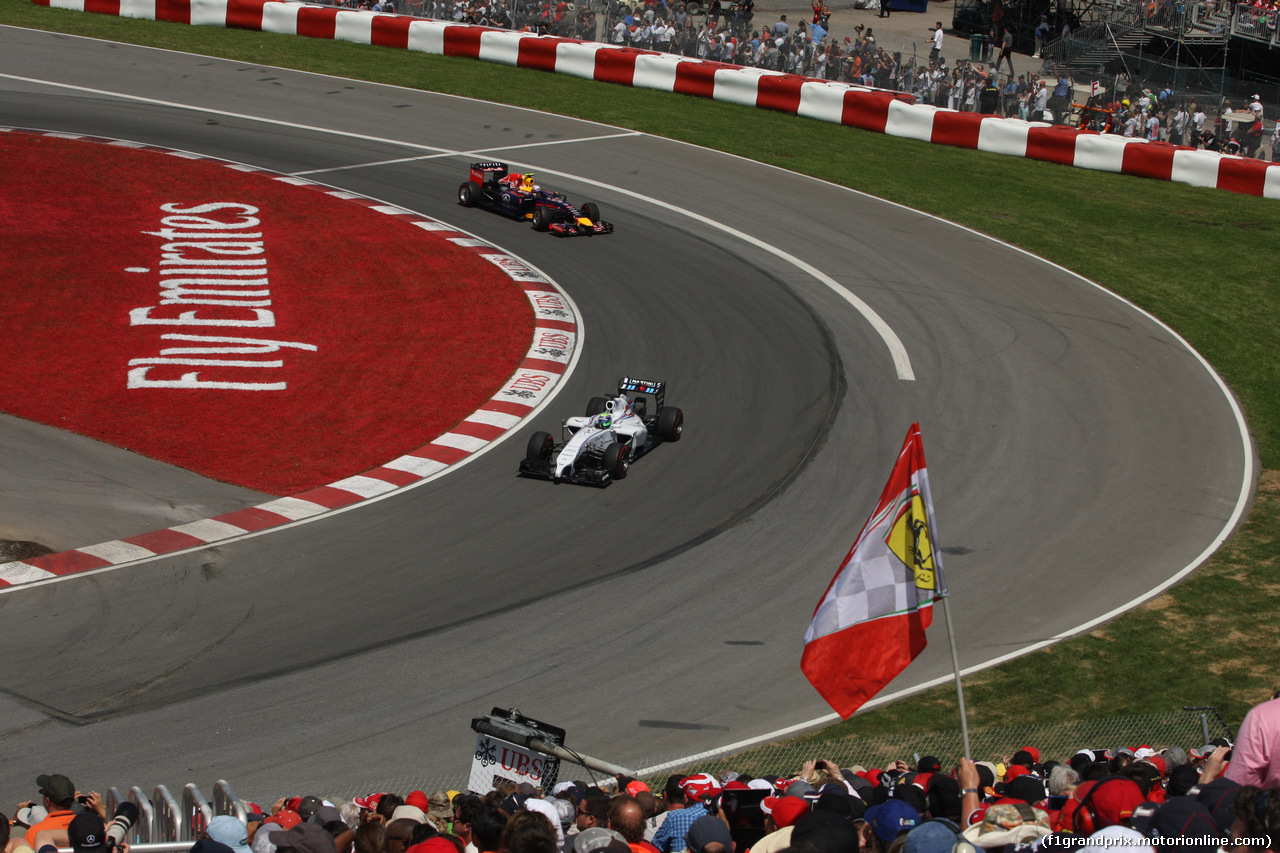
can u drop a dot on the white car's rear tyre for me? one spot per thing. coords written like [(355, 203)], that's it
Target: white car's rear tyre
[(596, 406), (670, 423)]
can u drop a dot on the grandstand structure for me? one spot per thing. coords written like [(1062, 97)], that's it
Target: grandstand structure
[(1199, 47)]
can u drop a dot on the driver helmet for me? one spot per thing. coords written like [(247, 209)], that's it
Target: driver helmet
[(527, 182), (604, 421)]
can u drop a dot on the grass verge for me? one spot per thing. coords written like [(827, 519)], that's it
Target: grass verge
[(1193, 257)]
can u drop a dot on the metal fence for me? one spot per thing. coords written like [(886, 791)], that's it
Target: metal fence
[(1057, 741), (1256, 24)]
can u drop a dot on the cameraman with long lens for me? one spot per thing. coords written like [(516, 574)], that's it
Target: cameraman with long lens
[(89, 833)]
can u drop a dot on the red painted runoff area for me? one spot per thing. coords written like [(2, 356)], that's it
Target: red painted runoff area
[(252, 328)]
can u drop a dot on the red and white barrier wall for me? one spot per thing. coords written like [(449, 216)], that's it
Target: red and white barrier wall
[(892, 113)]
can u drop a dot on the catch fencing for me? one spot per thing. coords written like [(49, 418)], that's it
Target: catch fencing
[(1058, 741)]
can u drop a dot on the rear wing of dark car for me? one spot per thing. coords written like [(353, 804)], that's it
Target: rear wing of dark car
[(487, 172)]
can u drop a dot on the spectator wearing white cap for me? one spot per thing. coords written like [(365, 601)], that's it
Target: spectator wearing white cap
[(670, 837), (16, 844)]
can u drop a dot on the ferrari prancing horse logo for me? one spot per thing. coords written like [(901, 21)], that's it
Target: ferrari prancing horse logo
[(910, 541)]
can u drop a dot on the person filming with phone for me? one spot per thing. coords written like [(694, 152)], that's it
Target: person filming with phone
[(58, 796)]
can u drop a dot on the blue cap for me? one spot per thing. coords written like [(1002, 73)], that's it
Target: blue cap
[(891, 817), (932, 836)]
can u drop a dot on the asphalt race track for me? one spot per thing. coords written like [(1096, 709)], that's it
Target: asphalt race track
[(1080, 456)]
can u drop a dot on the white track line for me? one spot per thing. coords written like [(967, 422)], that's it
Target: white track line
[(901, 361), (1236, 515)]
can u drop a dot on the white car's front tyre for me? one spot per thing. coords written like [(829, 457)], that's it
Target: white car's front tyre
[(616, 460)]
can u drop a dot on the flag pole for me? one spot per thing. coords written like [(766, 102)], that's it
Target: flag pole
[(955, 665)]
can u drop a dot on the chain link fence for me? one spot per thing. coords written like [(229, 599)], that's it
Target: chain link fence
[(1056, 741)]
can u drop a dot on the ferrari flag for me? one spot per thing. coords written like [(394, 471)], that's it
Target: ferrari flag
[(870, 623)]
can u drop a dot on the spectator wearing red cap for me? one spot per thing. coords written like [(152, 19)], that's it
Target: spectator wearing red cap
[(1013, 771), (284, 819), (368, 803), (670, 837), (1108, 802), (780, 816), (436, 844)]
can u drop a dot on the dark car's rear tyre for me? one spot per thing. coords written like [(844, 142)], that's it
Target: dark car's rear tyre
[(541, 218), (540, 446), (469, 194), (615, 460), (596, 406), (590, 211), (670, 423)]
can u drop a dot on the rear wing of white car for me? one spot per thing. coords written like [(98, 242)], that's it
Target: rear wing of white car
[(657, 390)]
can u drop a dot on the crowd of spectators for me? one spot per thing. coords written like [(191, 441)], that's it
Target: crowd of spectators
[(1136, 111), (729, 32), (1264, 12), (1217, 798)]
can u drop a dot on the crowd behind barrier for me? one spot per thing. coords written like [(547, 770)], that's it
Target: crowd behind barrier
[(888, 111), (733, 34), (1256, 20), (1217, 797)]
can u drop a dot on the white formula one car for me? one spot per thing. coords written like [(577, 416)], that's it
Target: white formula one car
[(600, 446)]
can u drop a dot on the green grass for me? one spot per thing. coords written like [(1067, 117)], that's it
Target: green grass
[(1196, 258)]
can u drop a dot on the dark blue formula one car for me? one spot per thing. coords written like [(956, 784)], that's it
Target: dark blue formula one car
[(515, 195)]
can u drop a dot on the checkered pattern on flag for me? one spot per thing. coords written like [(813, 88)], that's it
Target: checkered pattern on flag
[(870, 623)]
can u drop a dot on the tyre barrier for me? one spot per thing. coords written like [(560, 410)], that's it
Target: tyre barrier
[(891, 113)]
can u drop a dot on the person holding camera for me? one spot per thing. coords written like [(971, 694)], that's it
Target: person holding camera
[(58, 797)]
